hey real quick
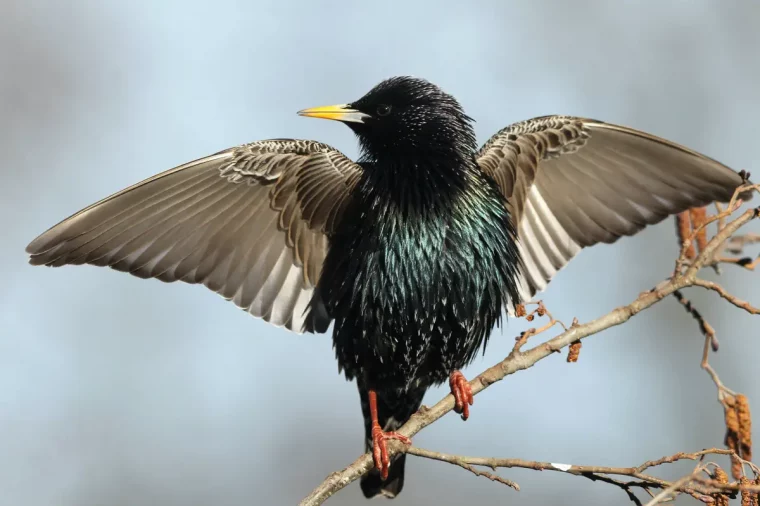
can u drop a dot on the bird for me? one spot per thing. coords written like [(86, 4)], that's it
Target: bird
[(413, 253)]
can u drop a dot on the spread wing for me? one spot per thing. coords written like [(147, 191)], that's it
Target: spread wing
[(573, 182), (251, 223)]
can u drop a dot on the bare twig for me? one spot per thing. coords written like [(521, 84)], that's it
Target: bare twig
[(670, 492), (693, 484), (540, 310), (711, 342), (736, 301), (595, 473), (736, 245), (707, 330), (464, 462)]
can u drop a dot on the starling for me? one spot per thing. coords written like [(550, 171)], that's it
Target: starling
[(413, 252)]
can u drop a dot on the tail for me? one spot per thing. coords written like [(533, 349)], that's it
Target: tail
[(392, 412)]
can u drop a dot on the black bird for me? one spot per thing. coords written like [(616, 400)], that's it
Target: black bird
[(413, 252)]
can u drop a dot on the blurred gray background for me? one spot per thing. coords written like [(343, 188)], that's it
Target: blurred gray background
[(119, 391)]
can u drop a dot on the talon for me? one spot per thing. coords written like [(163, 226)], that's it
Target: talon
[(379, 438), (380, 453), (462, 392)]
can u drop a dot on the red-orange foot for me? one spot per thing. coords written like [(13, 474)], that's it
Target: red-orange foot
[(462, 392), (380, 448)]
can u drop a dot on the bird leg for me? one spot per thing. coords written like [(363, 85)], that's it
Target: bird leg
[(380, 438), (462, 392)]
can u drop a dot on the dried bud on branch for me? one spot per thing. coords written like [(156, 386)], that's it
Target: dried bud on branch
[(575, 350), (746, 495), (721, 477), (698, 217), (683, 223), (738, 430), (737, 471), (731, 416), (745, 427)]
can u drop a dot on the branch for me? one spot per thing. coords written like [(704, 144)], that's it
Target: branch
[(644, 481), (690, 484), (518, 360), (742, 304), (468, 463)]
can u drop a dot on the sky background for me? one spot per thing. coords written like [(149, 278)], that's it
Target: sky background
[(121, 391)]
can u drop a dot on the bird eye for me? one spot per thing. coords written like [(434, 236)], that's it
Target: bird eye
[(383, 110)]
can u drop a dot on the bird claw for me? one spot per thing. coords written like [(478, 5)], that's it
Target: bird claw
[(462, 392), (380, 448)]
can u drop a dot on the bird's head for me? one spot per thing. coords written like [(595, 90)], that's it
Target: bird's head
[(405, 117)]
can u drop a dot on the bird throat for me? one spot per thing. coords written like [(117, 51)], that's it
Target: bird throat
[(417, 185)]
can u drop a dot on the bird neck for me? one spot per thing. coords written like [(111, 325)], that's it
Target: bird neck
[(422, 183)]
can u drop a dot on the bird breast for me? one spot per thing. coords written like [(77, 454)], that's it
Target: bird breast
[(406, 283)]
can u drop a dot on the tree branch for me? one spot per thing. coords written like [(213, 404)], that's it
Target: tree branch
[(518, 360), (596, 473)]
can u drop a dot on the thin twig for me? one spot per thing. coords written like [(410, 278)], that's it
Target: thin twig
[(736, 245), (596, 473), (736, 301), (668, 493), (707, 330)]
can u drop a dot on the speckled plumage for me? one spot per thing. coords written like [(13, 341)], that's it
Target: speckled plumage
[(416, 279), (423, 261), (413, 252)]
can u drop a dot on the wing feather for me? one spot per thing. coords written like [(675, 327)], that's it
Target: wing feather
[(251, 223), (572, 182)]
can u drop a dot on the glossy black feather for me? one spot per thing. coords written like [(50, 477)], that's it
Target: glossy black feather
[(424, 259)]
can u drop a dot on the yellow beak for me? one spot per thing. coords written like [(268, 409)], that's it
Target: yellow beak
[(340, 112)]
